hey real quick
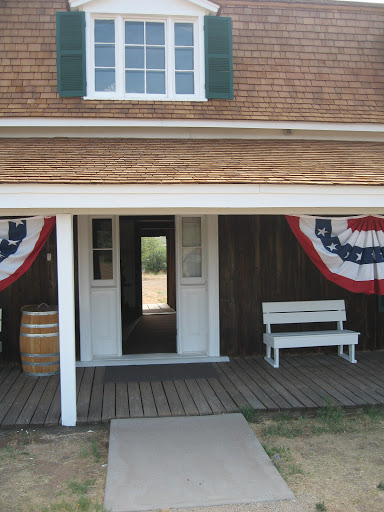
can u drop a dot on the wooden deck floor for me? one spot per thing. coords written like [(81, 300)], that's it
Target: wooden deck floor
[(301, 383)]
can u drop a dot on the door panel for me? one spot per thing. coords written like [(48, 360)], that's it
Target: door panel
[(99, 287), (105, 325), (194, 320)]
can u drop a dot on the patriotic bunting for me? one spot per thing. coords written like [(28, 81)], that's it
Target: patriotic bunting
[(20, 242), (348, 250)]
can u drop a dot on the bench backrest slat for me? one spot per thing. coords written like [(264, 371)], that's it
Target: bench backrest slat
[(303, 305), (303, 312)]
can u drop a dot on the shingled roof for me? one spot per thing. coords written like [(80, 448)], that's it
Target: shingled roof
[(177, 161), (301, 61)]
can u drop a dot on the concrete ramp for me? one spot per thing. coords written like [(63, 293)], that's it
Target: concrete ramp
[(160, 463)]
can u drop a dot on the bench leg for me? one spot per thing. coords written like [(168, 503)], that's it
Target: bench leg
[(351, 353), (273, 362)]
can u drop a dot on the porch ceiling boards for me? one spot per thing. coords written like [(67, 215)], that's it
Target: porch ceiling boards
[(302, 383), (181, 161)]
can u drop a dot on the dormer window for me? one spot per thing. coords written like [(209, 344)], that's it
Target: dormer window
[(148, 56), (143, 59)]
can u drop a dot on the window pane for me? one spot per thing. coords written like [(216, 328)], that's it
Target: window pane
[(105, 55), (104, 31), (134, 32), (184, 58), (134, 81), (102, 233), (185, 83), (155, 82), (105, 80), (183, 34), (134, 57), (155, 58), (191, 232), (192, 266), (154, 33), (102, 265)]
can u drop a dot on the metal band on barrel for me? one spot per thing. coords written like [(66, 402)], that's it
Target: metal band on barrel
[(39, 334), (24, 354), (48, 363)]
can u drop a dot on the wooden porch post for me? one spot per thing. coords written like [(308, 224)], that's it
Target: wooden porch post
[(66, 292)]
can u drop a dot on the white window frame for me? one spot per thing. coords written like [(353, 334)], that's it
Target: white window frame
[(103, 283), (199, 280), (170, 80)]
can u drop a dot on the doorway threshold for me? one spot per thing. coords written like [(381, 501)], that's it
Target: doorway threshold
[(142, 359)]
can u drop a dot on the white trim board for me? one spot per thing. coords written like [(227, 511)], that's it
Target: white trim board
[(186, 123), (228, 199), (170, 132), (143, 359), (203, 4), (187, 129)]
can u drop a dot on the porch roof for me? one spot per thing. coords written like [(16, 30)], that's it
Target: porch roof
[(181, 161)]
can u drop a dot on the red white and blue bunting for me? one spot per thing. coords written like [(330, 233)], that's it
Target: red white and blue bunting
[(20, 242), (348, 250)]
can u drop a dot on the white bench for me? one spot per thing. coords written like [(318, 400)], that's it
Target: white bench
[(307, 312)]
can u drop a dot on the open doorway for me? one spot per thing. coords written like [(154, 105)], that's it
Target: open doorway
[(154, 275), (147, 257)]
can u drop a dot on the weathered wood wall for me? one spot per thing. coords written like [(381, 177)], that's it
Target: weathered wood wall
[(37, 285), (261, 260)]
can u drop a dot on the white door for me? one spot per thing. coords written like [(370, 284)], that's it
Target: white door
[(99, 287), (197, 294)]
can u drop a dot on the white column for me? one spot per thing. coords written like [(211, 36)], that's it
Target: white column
[(213, 285), (66, 291)]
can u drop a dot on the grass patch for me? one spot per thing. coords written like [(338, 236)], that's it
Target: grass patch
[(249, 413), (84, 453), (321, 506), (381, 485), (9, 452), (374, 413), (83, 504), (272, 451), (292, 468), (281, 458), (330, 419), (80, 488), (95, 450), (286, 426)]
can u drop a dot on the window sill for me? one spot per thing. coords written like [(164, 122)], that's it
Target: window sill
[(105, 97)]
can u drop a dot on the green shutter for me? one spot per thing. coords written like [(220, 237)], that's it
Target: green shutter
[(218, 57), (70, 50)]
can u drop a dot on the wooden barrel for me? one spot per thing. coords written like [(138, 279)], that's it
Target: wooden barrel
[(39, 340)]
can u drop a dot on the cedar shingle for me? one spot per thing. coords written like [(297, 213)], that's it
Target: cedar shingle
[(303, 61), (156, 161)]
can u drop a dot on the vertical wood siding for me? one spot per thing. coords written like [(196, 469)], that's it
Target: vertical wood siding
[(37, 285), (261, 260)]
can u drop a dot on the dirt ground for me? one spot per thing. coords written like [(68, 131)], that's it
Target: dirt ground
[(58, 469), (154, 288), (46, 470)]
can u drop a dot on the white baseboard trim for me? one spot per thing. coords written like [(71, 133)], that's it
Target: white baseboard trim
[(143, 359)]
